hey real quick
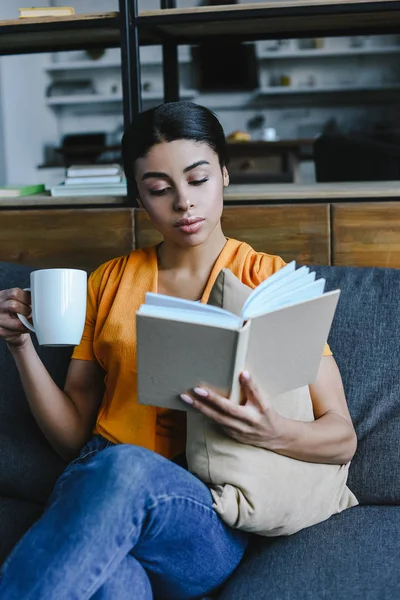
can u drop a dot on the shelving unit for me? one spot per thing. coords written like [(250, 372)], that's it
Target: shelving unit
[(257, 21), (171, 27)]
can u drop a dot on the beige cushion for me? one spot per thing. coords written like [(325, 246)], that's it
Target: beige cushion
[(255, 489)]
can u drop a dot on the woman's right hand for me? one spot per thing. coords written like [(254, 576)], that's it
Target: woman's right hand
[(12, 331)]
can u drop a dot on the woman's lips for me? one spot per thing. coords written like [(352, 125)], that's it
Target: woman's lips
[(191, 225)]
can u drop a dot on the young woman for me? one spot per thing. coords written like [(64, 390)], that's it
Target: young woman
[(124, 520)]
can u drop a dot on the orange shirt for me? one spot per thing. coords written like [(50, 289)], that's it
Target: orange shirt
[(115, 292)]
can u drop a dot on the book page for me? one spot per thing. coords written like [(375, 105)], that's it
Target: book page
[(310, 291), (223, 319), (268, 283), (289, 285), (181, 303)]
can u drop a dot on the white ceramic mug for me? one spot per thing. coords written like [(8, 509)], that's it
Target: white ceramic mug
[(58, 306)]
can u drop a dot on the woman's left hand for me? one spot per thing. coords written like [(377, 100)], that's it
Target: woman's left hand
[(253, 422)]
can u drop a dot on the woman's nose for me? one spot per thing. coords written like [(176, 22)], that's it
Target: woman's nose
[(182, 201)]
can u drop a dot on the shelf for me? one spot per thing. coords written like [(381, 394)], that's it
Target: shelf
[(274, 19), (83, 99), (82, 65), (347, 52), (262, 20), (239, 194), (47, 200), (317, 191), (287, 90), (77, 32), (103, 99)]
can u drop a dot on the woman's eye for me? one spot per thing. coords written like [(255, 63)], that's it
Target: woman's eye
[(158, 192), (198, 181)]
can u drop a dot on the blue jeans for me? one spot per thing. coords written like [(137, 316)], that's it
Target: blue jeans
[(123, 523)]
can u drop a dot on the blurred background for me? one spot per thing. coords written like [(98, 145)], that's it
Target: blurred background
[(321, 109)]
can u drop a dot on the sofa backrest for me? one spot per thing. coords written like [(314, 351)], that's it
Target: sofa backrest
[(28, 464), (365, 341)]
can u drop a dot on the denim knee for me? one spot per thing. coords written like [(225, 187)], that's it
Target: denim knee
[(132, 471), (125, 465)]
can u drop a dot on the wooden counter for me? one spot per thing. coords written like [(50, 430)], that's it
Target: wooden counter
[(316, 191), (349, 224), (259, 193)]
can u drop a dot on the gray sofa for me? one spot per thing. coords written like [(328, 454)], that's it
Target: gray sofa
[(354, 555)]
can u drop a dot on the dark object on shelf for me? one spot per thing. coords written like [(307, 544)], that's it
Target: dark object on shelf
[(95, 53), (82, 148), (260, 162), (226, 66), (70, 87), (355, 158)]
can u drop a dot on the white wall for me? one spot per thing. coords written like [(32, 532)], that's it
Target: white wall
[(26, 123), (2, 149)]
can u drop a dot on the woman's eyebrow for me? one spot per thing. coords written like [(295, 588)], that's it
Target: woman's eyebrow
[(157, 174), (161, 175), (196, 164)]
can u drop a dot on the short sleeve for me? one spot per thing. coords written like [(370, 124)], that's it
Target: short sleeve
[(84, 351), (327, 351)]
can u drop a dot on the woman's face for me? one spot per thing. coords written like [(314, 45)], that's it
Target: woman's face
[(180, 185)]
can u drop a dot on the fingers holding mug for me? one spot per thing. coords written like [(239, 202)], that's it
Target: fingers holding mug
[(23, 317), (13, 302)]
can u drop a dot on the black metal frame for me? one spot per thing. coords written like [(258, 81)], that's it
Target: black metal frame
[(131, 72), (170, 63), (131, 23)]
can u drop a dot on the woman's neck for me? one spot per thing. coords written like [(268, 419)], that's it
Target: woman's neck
[(191, 260), (184, 272)]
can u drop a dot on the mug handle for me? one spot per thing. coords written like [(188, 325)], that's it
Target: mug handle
[(23, 319)]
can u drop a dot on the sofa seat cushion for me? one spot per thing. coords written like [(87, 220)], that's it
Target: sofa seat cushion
[(365, 341), (16, 516), (29, 466), (354, 554)]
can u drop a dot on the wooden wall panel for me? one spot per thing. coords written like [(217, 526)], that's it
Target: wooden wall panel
[(76, 238), (366, 234), (300, 232)]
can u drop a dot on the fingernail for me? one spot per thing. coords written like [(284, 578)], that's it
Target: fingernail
[(186, 398), (201, 392), (246, 375)]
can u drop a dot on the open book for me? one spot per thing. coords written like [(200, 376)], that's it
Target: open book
[(279, 337)]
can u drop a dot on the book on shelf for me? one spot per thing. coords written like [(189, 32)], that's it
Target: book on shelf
[(46, 11), (90, 180), (94, 170), (279, 338), (17, 191), (105, 189)]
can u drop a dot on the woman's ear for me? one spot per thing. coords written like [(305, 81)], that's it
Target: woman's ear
[(225, 176)]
